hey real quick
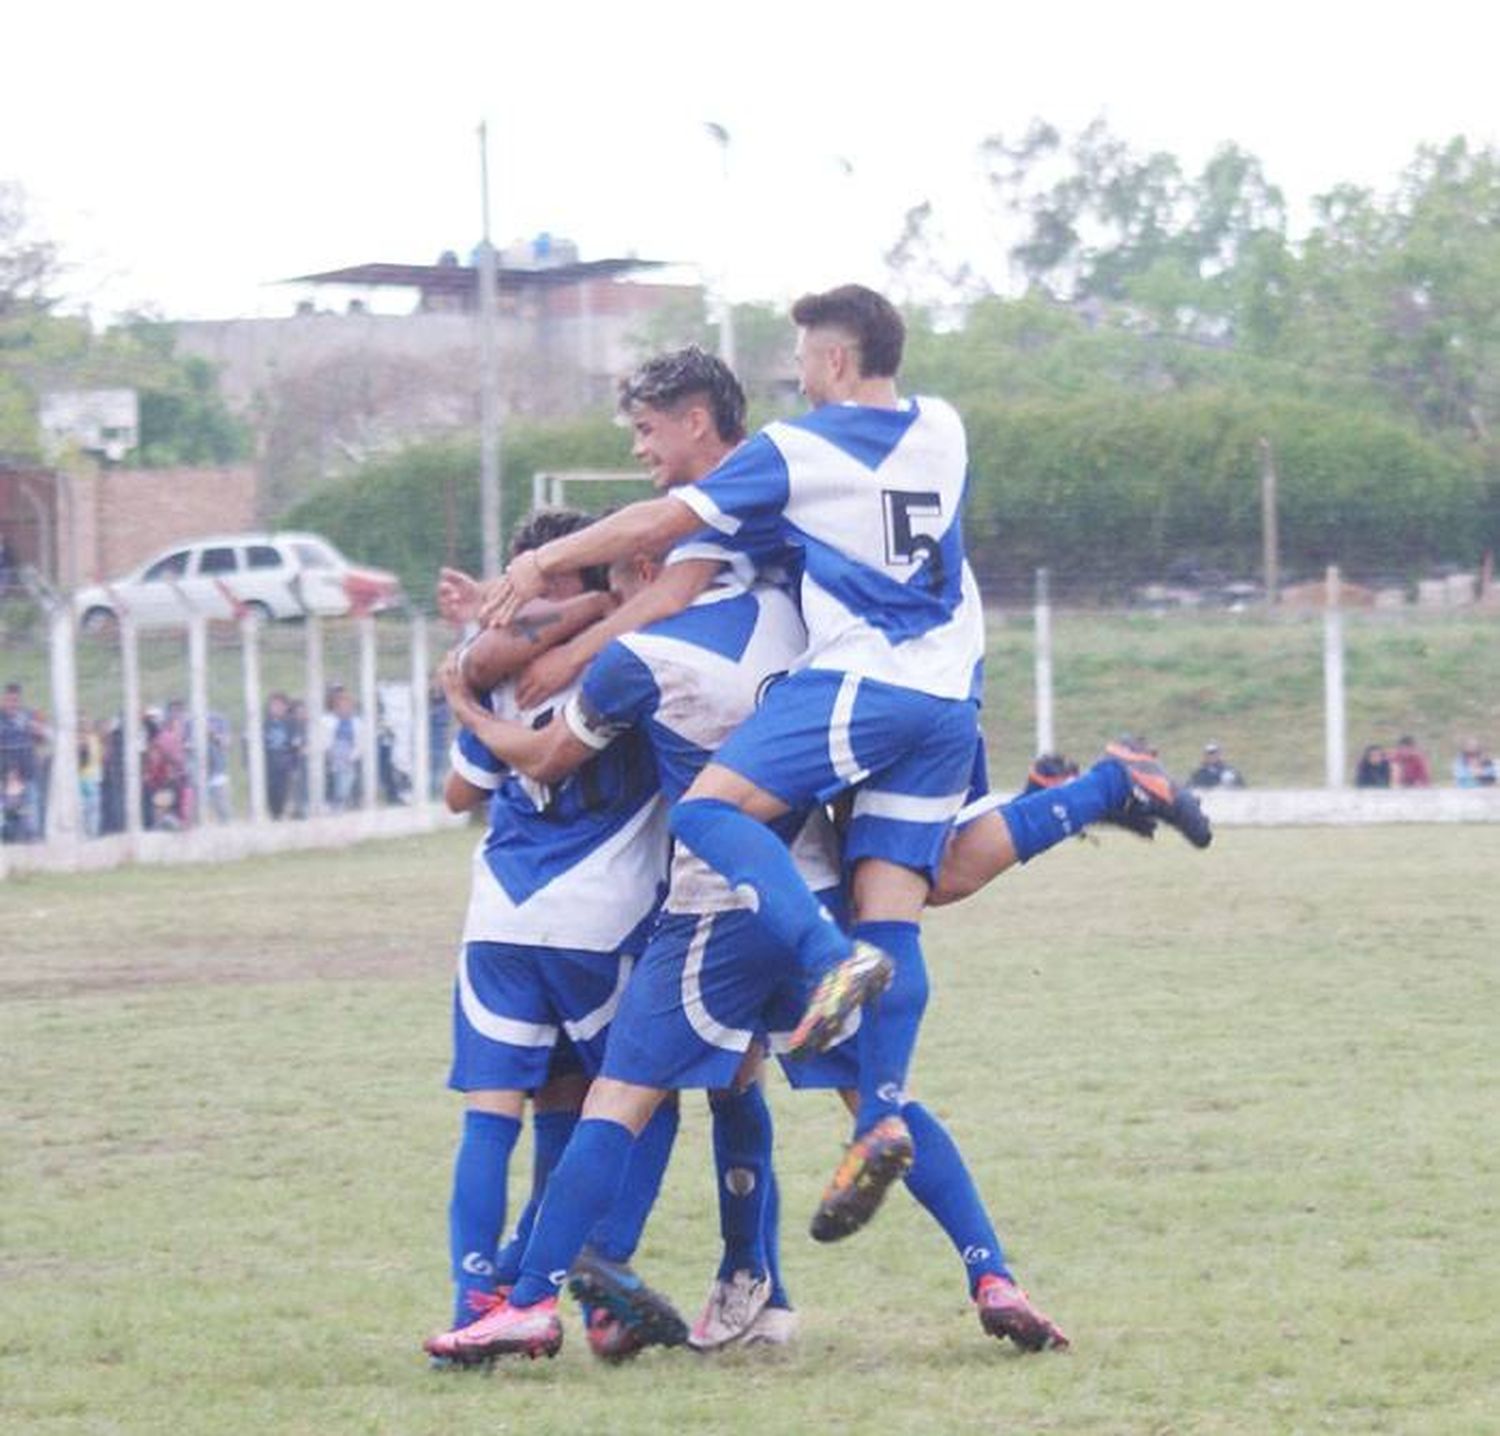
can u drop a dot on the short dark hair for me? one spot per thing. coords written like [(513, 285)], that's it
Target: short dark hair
[(669, 380), (868, 318), (543, 525)]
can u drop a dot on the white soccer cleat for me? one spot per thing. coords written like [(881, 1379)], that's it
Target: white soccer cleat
[(730, 1312), (775, 1326)]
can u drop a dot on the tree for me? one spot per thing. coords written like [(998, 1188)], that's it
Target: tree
[(29, 267)]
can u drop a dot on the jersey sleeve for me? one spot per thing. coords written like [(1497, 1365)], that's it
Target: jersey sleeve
[(748, 487), (474, 763), (617, 693)]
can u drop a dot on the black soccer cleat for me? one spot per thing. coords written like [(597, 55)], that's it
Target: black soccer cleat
[(1154, 795)]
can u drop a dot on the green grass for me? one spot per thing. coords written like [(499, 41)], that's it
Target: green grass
[(1249, 682), (1236, 1114)]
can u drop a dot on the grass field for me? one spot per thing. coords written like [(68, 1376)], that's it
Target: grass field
[(1236, 1112)]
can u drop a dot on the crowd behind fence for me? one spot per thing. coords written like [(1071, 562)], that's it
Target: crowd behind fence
[(165, 730), (210, 724)]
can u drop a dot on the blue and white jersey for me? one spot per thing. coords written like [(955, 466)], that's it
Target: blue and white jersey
[(578, 864), (687, 683), (871, 498)]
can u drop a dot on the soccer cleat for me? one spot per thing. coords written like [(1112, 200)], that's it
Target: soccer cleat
[(439, 1346), (871, 1163), (1047, 770), (775, 1326), (841, 991), (1006, 1310), (612, 1286), (510, 1331), (730, 1312), (1052, 770), (1153, 794), (608, 1338)]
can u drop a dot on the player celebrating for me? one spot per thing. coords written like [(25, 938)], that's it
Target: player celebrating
[(863, 494), (565, 878)]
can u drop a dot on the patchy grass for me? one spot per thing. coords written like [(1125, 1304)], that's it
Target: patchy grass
[(1235, 1113)]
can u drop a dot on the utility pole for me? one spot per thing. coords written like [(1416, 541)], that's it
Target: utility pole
[(1270, 535), (489, 378), (726, 305)]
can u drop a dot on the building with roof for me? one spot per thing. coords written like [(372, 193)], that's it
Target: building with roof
[(566, 330)]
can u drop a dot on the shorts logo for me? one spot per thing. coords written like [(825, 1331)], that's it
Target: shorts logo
[(891, 1092), (558, 1277), (477, 1264), (766, 685), (739, 1181), (974, 1255)]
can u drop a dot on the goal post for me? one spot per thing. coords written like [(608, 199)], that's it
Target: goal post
[(548, 488)]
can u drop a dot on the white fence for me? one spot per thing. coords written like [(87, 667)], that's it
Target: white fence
[(392, 738)]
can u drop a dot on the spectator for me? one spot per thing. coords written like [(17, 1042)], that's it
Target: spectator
[(90, 777), (393, 782), (1214, 772), (8, 578), (1473, 768), (112, 783), (22, 740), (297, 718), (166, 790), (219, 793), (1374, 770), (342, 741), (279, 735), (1409, 765)]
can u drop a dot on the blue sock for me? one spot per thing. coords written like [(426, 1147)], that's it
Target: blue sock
[(1041, 820), (618, 1235), (941, 1182), (583, 1185), (749, 854), (887, 1034), (476, 1210), (549, 1135), (771, 1241), (742, 1163)]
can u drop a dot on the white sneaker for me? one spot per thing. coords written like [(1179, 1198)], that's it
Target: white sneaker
[(730, 1312), (775, 1326)]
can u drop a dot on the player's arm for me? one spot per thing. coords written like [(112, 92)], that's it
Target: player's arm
[(670, 592), (462, 796), (650, 526), (495, 654), (547, 754)]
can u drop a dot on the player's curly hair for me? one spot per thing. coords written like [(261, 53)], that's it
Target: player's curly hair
[(543, 525), (868, 318), (668, 380)]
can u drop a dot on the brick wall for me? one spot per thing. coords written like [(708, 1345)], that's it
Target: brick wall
[(126, 515)]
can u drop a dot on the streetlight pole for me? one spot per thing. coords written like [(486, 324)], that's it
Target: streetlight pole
[(720, 137), (489, 378)]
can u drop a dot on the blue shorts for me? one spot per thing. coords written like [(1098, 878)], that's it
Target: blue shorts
[(514, 1007), (909, 757), (708, 986)]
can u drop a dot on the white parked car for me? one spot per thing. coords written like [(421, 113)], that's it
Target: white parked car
[(274, 575)]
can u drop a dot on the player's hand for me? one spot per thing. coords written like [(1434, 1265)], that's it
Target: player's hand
[(519, 584), (458, 595), (461, 700), (548, 673)]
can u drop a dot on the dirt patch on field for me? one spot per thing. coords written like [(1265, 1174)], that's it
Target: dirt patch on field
[(220, 970)]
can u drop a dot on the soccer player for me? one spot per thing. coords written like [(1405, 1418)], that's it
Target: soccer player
[(674, 678), (564, 884), (863, 495)]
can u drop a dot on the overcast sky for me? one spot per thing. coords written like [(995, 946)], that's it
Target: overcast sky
[(186, 157)]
